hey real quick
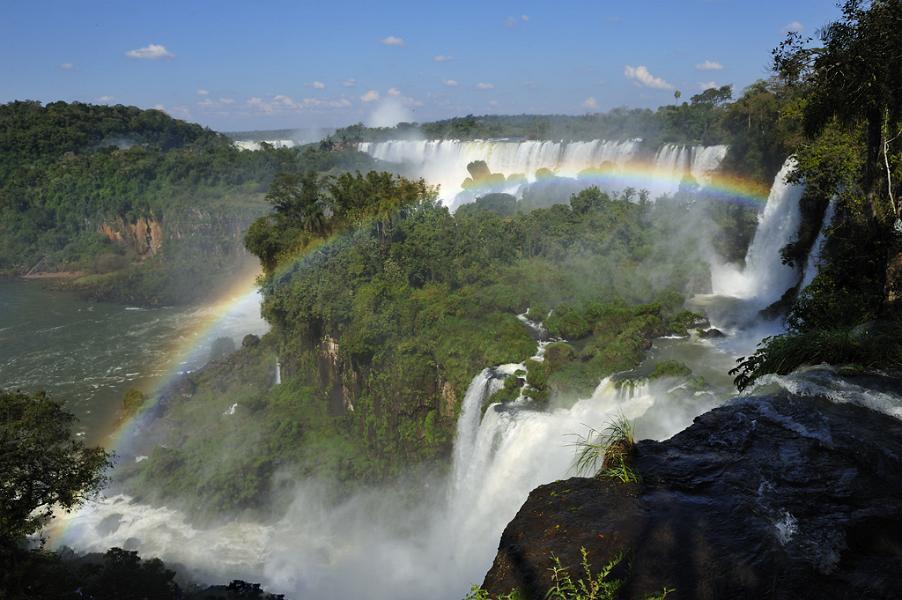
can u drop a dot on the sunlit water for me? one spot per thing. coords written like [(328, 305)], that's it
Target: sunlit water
[(89, 354)]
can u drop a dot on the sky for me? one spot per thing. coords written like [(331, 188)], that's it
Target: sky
[(269, 64)]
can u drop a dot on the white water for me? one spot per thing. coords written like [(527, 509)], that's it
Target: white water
[(444, 162), (764, 279), (814, 258), (254, 145), (377, 544)]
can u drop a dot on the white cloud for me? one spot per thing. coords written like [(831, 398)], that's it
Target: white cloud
[(150, 52), (485, 86), (641, 76), (393, 41), (370, 96), (512, 22), (203, 93), (524, 17), (105, 99), (442, 58), (159, 107), (349, 82), (205, 103), (709, 65), (394, 92), (493, 103), (707, 85), (67, 66), (591, 103), (794, 27), (450, 82), (227, 100), (283, 103), (317, 85)]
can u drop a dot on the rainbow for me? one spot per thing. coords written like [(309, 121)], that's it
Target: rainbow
[(639, 176), (187, 350)]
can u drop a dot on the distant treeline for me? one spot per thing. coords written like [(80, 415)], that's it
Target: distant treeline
[(68, 168)]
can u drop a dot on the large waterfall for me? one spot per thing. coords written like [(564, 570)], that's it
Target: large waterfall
[(765, 278), (444, 162)]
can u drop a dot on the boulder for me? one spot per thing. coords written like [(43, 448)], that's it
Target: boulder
[(769, 497)]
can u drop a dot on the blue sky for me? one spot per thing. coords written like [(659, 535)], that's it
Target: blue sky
[(274, 63)]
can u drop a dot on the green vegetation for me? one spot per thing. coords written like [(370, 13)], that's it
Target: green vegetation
[(591, 586), (384, 306), (600, 586), (152, 209), (851, 152), (607, 453)]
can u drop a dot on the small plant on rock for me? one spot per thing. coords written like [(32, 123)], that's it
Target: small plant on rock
[(607, 453)]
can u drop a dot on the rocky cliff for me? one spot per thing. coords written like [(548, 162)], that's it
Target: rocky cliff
[(769, 497)]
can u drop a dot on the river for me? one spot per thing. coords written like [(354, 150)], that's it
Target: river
[(89, 354)]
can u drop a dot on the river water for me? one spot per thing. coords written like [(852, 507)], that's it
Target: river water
[(89, 354)]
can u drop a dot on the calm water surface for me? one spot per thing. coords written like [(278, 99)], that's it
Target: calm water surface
[(90, 353)]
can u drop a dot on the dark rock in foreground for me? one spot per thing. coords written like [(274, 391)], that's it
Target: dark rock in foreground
[(777, 497)]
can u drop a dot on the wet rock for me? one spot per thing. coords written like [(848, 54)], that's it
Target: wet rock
[(712, 333), (770, 497)]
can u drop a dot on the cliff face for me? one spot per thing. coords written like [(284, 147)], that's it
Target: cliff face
[(207, 232), (144, 236), (770, 497), (404, 416)]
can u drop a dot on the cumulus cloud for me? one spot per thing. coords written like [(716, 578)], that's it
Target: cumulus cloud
[(67, 66), (150, 52), (641, 76), (794, 27), (227, 100), (393, 92), (370, 96), (450, 82), (317, 85), (707, 85), (393, 41), (709, 65), (159, 107), (485, 86), (442, 58), (203, 93), (591, 103), (349, 82)]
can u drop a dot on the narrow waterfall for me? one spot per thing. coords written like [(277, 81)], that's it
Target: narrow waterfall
[(814, 258), (765, 278), (444, 162)]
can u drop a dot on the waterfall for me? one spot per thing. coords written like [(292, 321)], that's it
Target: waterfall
[(765, 278), (444, 162), (814, 258)]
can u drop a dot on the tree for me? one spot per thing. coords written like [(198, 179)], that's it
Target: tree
[(854, 77), (42, 468)]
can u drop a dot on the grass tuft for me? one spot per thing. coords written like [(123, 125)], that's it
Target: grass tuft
[(606, 453)]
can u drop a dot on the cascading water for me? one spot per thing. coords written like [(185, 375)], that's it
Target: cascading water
[(765, 278), (444, 162), (814, 258)]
